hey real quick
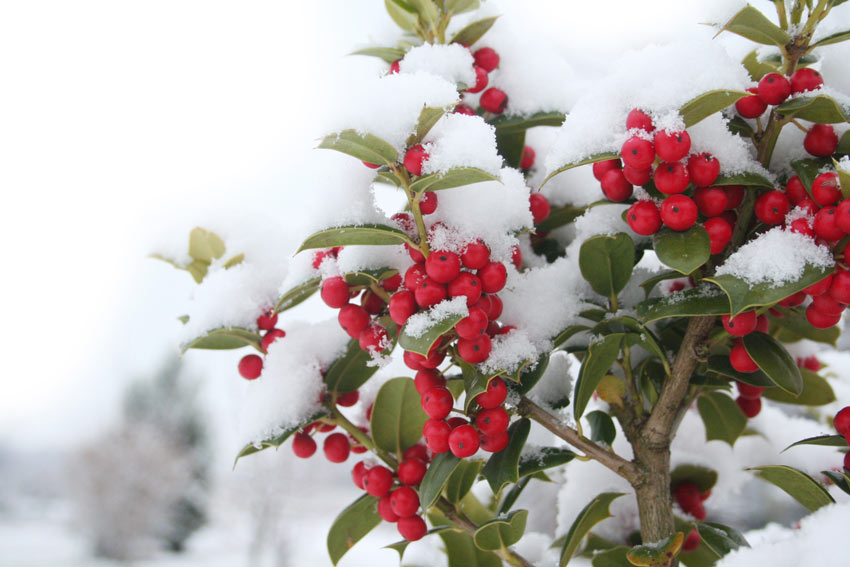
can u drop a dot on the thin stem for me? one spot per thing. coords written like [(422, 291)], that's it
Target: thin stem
[(413, 201), (780, 12), (613, 461), (361, 437), (631, 387), (462, 521)]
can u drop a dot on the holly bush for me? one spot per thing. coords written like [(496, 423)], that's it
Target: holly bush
[(704, 252)]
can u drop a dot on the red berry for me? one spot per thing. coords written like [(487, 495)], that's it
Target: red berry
[(827, 304), (820, 287), (750, 406), (457, 421), (473, 324), (819, 319), (741, 360), (774, 89), (486, 58), (516, 257), (414, 276), (762, 324), (371, 165), (494, 443), (703, 169), (643, 218), (747, 391), (371, 302), (464, 109), (826, 189), (491, 305), (805, 79), (687, 496), (463, 441), (267, 320), (411, 471), (428, 203), (793, 300), (402, 306), (474, 350), (808, 207), (436, 434), (415, 254), (426, 379), (373, 339), (404, 501), (468, 285), (691, 542), (847, 459), (528, 156), (348, 399), (600, 168), (303, 445), (734, 196), (395, 67), (493, 277), (751, 106), (839, 286), (412, 528), (637, 152), (493, 100), (354, 319), (719, 234), (358, 474), (475, 255), (826, 224), (741, 324), (334, 292), (385, 510), (336, 447), (637, 118), (802, 226), (271, 337), (414, 158), (430, 293), (442, 266), (711, 201), (433, 360), (251, 366), (795, 190), (842, 421), (771, 207), (417, 451), (679, 212), (637, 176), (437, 402), (842, 213), (378, 481), (821, 140), (494, 395), (672, 146), (481, 80), (671, 177), (539, 206), (615, 186), (492, 421)]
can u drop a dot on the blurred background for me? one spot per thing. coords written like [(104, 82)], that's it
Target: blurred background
[(122, 126)]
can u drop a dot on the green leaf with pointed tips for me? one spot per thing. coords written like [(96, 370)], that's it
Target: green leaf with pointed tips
[(423, 343), (606, 262), (820, 108), (601, 355), (719, 538), (747, 179), (723, 419), (352, 524), (840, 479), (297, 294), (350, 371), (511, 146), (401, 13), (797, 484), (278, 439), (774, 360), (225, 338), (436, 477), (696, 302), (388, 54), (584, 161), (204, 245), (706, 104), (462, 479), (503, 467), (501, 533), (720, 365), (657, 554), (369, 277), (703, 477), (429, 116), (756, 68), (364, 234), (821, 440), (833, 38), (542, 458), (753, 25), (683, 251), (596, 511), (511, 124), (397, 416), (560, 216), (365, 147), (452, 178), (474, 31), (816, 392)]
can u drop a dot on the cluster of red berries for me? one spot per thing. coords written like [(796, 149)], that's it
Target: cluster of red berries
[(749, 397), (773, 89), (689, 498), (842, 426), (251, 365), (664, 158), (336, 446), (488, 431), (809, 363)]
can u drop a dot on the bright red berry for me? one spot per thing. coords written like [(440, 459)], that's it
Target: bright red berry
[(429, 292), (772, 206), (378, 481), (741, 360), (414, 276), (395, 67), (271, 337), (827, 304), (741, 324), (751, 106), (412, 528), (481, 80), (644, 218), (404, 501), (402, 306), (841, 421), (826, 224), (516, 257), (464, 109), (842, 213), (540, 208), (821, 140), (491, 305), (492, 421), (637, 118), (687, 496), (486, 58), (793, 300), (703, 169), (348, 399), (671, 177), (385, 510), (774, 89), (475, 255), (747, 391), (267, 320), (802, 226), (371, 302), (805, 79), (426, 379), (336, 447), (672, 146), (494, 443), (493, 100), (353, 319), (826, 189), (750, 406), (691, 542), (474, 350), (463, 441), (437, 402), (411, 471), (637, 176), (442, 266), (334, 292), (637, 152), (819, 287), (358, 474), (414, 159), (839, 286), (303, 445), (719, 234), (615, 186), (494, 395), (428, 203), (373, 338), (711, 201), (436, 434), (528, 156), (473, 324), (600, 168), (493, 277), (417, 451), (468, 285), (251, 366), (820, 320), (679, 212), (795, 190)]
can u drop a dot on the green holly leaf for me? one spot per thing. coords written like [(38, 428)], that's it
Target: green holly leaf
[(602, 428), (833, 38), (840, 479), (365, 234), (657, 554), (746, 178), (225, 338), (512, 124), (753, 25), (722, 417), (352, 524), (297, 294), (703, 477), (501, 533), (695, 302), (683, 251), (503, 467), (510, 146), (543, 458), (423, 343), (450, 179), (596, 511), (756, 68), (601, 355), (797, 484), (365, 147), (474, 31), (277, 440), (397, 416), (706, 104), (821, 440), (719, 538), (606, 262), (388, 54), (584, 161), (819, 108), (774, 361), (429, 116), (461, 480), (816, 392), (401, 13), (436, 477), (350, 371)]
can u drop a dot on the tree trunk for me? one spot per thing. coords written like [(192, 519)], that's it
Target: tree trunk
[(655, 503)]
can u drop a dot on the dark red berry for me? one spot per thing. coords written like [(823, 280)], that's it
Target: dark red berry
[(842, 212), (734, 196), (251, 366), (795, 190), (637, 176), (404, 501), (839, 286), (468, 285), (336, 447), (516, 257), (463, 441), (267, 320), (378, 481), (771, 207), (679, 212), (358, 474), (805, 79), (436, 434), (644, 218), (719, 234), (600, 168), (494, 395), (672, 146), (334, 292), (493, 100), (486, 58), (464, 109), (750, 406), (762, 324), (527, 160), (637, 152), (539, 206), (491, 305), (671, 177), (841, 421), (821, 140), (395, 67), (492, 421), (417, 452), (615, 186), (747, 391), (385, 510), (691, 542), (820, 320), (711, 201), (412, 528), (703, 169), (348, 399), (493, 277), (825, 303), (414, 276), (474, 350), (820, 287), (774, 89), (826, 224), (751, 106), (426, 379), (303, 445), (494, 443)]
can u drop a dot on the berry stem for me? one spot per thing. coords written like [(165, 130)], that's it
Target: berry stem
[(361, 437), (413, 201)]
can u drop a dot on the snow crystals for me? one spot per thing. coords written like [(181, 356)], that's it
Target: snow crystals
[(419, 324)]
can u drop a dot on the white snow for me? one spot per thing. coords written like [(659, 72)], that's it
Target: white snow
[(458, 140), (418, 324), (451, 62), (776, 256)]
